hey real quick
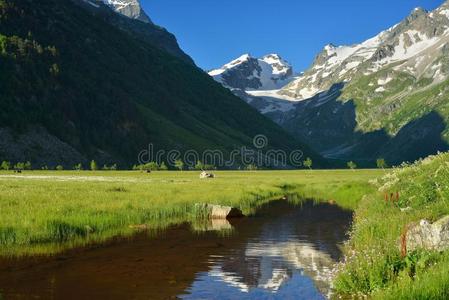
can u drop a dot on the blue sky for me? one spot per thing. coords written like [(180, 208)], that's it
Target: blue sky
[(213, 32)]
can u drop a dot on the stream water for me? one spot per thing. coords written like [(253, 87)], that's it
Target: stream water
[(284, 252)]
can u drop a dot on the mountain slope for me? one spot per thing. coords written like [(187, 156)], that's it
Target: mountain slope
[(133, 25), (106, 94), (389, 84), (385, 97)]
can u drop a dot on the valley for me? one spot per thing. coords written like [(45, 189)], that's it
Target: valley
[(132, 169)]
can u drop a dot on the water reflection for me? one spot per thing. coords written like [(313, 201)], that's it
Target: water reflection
[(284, 252), (292, 256)]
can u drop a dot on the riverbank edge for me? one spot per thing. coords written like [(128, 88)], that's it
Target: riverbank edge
[(374, 266)]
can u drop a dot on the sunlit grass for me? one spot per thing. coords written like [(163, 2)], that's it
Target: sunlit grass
[(374, 265), (47, 211)]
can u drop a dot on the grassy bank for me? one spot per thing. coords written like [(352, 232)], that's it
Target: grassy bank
[(48, 211), (374, 266)]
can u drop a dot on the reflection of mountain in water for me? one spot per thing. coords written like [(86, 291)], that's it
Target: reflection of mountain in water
[(291, 249), (282, 253)]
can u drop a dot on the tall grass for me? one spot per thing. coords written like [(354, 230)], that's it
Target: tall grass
[(374, 265), (46, 211)]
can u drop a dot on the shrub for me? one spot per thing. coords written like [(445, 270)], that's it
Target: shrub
[(6, 165)]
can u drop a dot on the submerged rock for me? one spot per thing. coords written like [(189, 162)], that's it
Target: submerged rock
[(425, 235), (220, 212), (213, 225)]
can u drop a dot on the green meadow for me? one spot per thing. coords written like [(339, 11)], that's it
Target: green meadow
[(45, 212), (48, 211)]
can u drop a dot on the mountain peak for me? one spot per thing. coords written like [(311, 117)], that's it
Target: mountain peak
[(130, 8), (418, 12), (273, 56), (248, 73), (244, 57), (329, 47)]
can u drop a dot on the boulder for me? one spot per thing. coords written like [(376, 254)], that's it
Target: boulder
[(424, 235), (204, 175), (220, 212)]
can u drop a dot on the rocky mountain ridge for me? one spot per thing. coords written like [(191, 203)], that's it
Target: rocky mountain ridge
[(249, 73), (385, 97), (130, 8)]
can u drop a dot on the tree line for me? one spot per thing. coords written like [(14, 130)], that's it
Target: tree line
[(154, 166)]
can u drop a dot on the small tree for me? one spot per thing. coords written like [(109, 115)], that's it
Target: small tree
[(19, 166), (78, 167), (381, 163), (59, 168), (27, 166), (251, 167), (151, 166), (179, 164), (199, 165), (308, 163), (93, 165), (352, 165), (6, 165), (163, 167)]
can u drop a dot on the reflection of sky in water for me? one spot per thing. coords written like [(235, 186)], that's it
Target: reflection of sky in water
[(209, 287), (291, 258)]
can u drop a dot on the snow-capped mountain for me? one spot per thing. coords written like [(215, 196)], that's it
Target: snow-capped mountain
[(129, 8), (385, 97), (247, 73), (414, 44)]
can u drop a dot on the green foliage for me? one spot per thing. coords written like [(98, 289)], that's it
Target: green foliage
[(308, 163), (59, 168), (251, 167), (23, 166), (78, 167), (419, 184), (111, 167), (151, 166), (179, 164), (199, 166), (93, 165), (373, 264), (381, 163), (352, 165), (6, 165)]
